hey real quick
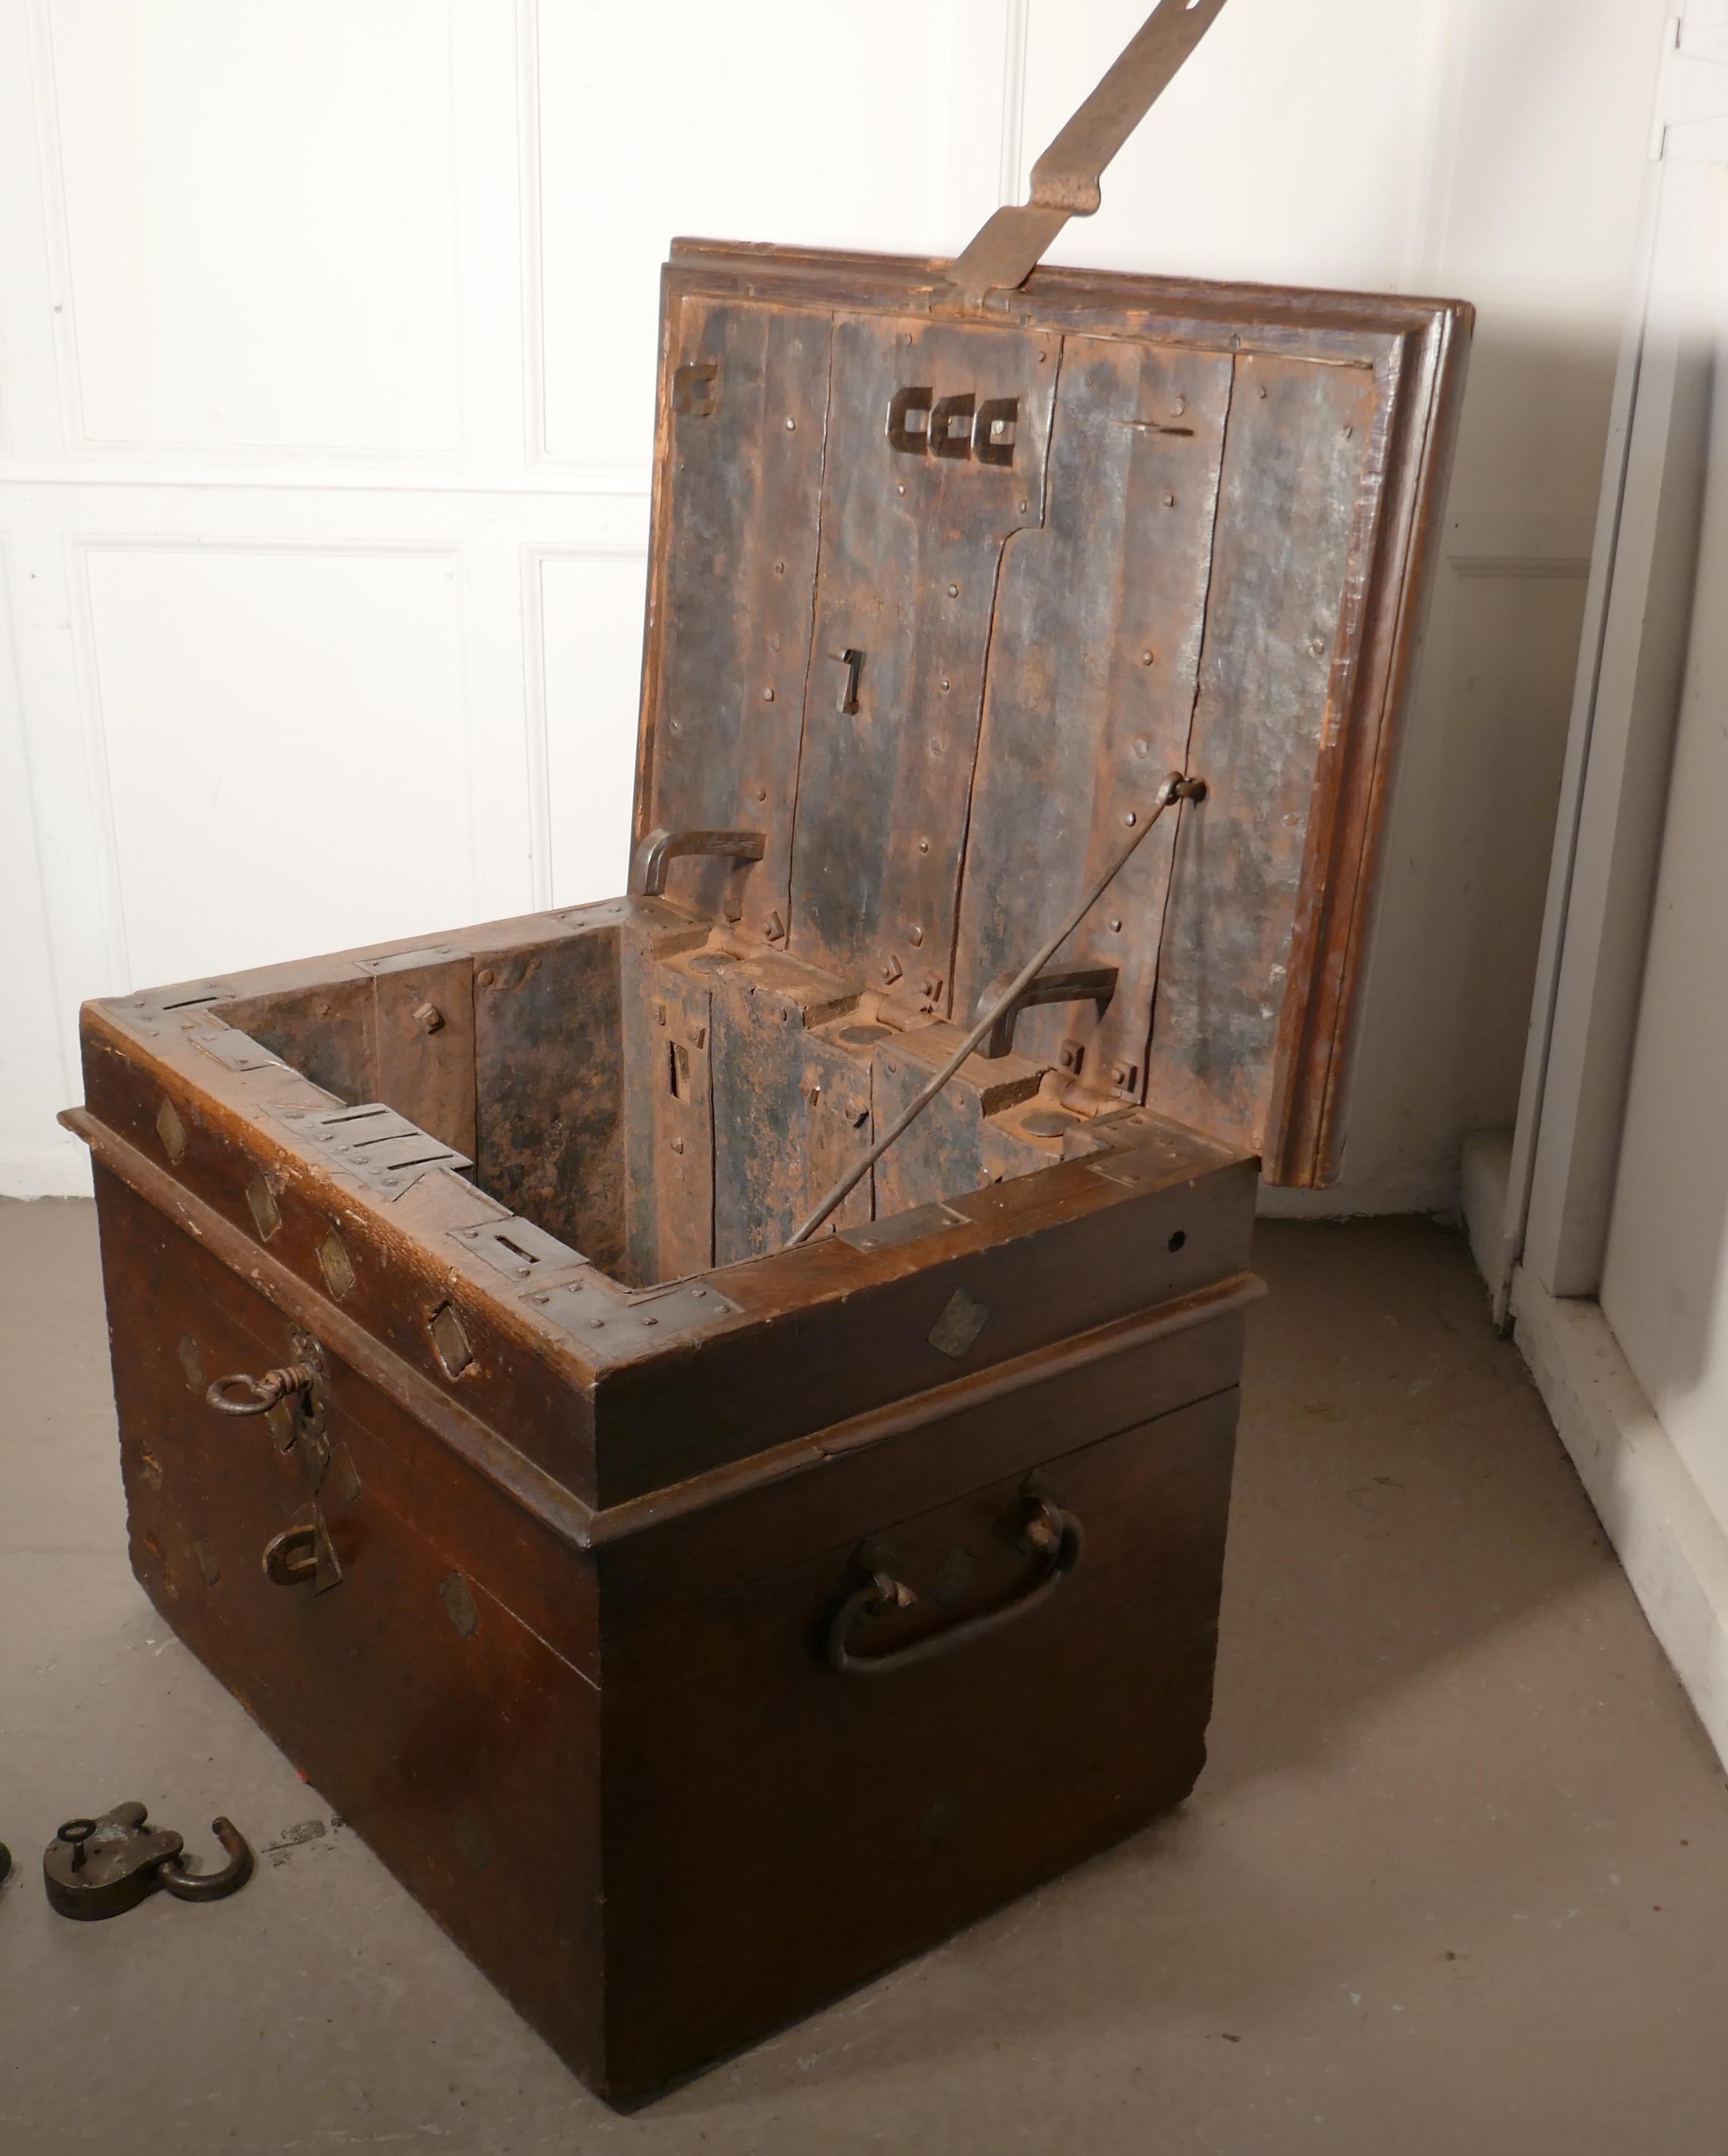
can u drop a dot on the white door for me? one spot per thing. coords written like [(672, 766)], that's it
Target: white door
[(1618, 1210), (1664, 1281)]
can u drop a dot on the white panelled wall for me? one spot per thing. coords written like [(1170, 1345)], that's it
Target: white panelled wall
[(327, 340)]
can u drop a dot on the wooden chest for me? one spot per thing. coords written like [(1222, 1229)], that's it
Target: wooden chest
[(696, 1624)]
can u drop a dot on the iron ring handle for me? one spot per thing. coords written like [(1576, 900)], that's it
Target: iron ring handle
[(261, 1394), (1049, 1529), (211, 1886), (291, 1557)]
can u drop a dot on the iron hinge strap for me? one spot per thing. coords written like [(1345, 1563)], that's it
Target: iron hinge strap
[(1065, 180)]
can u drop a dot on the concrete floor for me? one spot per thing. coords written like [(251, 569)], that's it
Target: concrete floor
[(1455, 1880)]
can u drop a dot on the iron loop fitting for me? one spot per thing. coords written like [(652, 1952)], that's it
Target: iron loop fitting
[(241, 1395)]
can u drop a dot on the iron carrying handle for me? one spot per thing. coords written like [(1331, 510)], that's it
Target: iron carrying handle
[(1056, 984), (660, 849), (1059, 1534)]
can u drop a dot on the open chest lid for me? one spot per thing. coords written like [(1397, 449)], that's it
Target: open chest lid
[(948, 576)]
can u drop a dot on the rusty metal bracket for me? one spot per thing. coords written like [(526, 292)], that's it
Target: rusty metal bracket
[(303, 1554), (1065, 180), (660, 849), (1056, 984)]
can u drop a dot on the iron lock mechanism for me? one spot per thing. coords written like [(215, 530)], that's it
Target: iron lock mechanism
[(291, 1398), (242, 1394), (101, 1867)]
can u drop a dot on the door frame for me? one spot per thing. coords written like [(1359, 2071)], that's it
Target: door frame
[(1626, 701)]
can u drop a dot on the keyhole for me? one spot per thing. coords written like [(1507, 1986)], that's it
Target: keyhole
[(853, 662)]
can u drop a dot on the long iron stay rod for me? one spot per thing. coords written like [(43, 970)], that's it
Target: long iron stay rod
[(1175, 787)]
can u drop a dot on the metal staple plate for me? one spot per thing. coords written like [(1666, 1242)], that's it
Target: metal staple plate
[(517, 1247), (608, 1326), (1133, 1171), (411, 961), (903, 1227), (237, 1049), (173, 1009), (373, 1141)]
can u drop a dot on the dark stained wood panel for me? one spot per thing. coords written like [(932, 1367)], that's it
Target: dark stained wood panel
[(955, 1146), (791, 1111), (549, 1086), (1082, 1250), (1412, 352), (730, 626), (912, 547), (402, 1033), (1287, 511), (835, 1086), (447, 1748), (747, 1789), (422, 1023), (324, 1031), (1094, 670), (677, 1103)]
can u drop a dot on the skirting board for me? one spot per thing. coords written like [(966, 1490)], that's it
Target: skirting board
[(45, 1171), (1435, 1193), (1665, 1536), (1484, 1170)]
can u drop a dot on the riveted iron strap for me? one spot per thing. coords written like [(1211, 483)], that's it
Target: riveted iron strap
[(1065, 180)]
